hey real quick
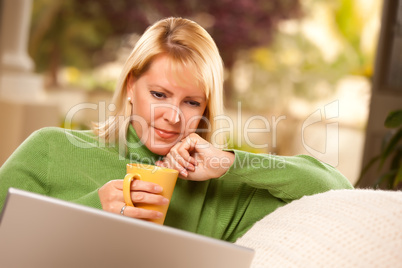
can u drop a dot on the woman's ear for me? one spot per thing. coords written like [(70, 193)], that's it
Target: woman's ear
[(130, 85)]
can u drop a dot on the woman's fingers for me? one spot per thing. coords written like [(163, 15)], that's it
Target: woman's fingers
[(138, 185), (140, 213), (187, 146), (181, 154), (146, 186), (180, 157), (142, 192), (197, 159), (173, 164), (146, 192), (147, 198)]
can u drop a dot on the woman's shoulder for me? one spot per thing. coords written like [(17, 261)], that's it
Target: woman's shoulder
[(59, 134), (58, 131)]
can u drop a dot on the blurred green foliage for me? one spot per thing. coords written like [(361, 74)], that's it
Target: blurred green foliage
[(75, 32), (297, 65), (351, 26), (391, 153)]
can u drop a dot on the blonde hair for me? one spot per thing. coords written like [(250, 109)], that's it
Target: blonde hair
[(187, 45)]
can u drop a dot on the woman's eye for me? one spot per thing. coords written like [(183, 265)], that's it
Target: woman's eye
[(194, 103), (158, 95)]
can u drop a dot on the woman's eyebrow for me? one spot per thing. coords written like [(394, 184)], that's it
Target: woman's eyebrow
[(196, 97), (171, 93), (161, 88)]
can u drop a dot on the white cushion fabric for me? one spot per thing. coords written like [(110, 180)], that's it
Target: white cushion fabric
[(339, 228)]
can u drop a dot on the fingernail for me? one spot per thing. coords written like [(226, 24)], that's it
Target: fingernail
[(158, 188), (159, 214), (165, 201), (191, 168), (184, 172)]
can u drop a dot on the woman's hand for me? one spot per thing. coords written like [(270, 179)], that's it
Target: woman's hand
[(196, 159), (112, 200)]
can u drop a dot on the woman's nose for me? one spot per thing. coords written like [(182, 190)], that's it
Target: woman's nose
[(172, 115)]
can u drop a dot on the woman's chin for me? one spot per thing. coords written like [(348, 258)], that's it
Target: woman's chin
[(160, 150)]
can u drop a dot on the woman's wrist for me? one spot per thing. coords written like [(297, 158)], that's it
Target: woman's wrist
[(226, 160)]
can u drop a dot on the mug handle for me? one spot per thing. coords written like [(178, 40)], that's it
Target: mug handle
[(127, 187)]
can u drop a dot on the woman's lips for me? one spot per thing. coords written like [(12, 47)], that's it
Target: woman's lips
[(164, 134)]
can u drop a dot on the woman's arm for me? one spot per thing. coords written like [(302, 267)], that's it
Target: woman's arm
[(29, 168), (26, 168), (286, 178)]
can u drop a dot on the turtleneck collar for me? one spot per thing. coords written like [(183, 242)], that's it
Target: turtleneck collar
[(136, 151)]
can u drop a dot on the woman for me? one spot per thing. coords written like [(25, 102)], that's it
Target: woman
[(167, 98)]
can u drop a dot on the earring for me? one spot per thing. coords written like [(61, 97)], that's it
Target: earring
[(129, 99)]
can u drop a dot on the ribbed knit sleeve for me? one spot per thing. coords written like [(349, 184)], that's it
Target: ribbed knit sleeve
[(64, 164), (27, 167), (91, 199), (285, 177)]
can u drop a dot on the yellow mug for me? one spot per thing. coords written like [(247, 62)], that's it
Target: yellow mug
[(164, 177)]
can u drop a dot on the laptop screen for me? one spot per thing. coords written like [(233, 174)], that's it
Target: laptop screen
[(40, 231)]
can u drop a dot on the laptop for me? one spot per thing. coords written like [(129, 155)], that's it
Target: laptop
[(40, 231)]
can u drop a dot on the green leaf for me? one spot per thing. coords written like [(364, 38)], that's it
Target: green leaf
[(392, 145), (366, 168), (398, 178), (397, 159), (387, 177), (394, 119), (385, 140)]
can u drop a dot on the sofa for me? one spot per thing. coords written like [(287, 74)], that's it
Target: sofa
[(338, 228)]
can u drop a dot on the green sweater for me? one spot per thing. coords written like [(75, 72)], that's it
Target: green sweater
[(73, 165)]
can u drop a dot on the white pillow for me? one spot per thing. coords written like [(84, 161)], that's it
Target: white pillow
[(339, 228)]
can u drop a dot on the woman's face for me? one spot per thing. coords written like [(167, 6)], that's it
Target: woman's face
[(164, 110)]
